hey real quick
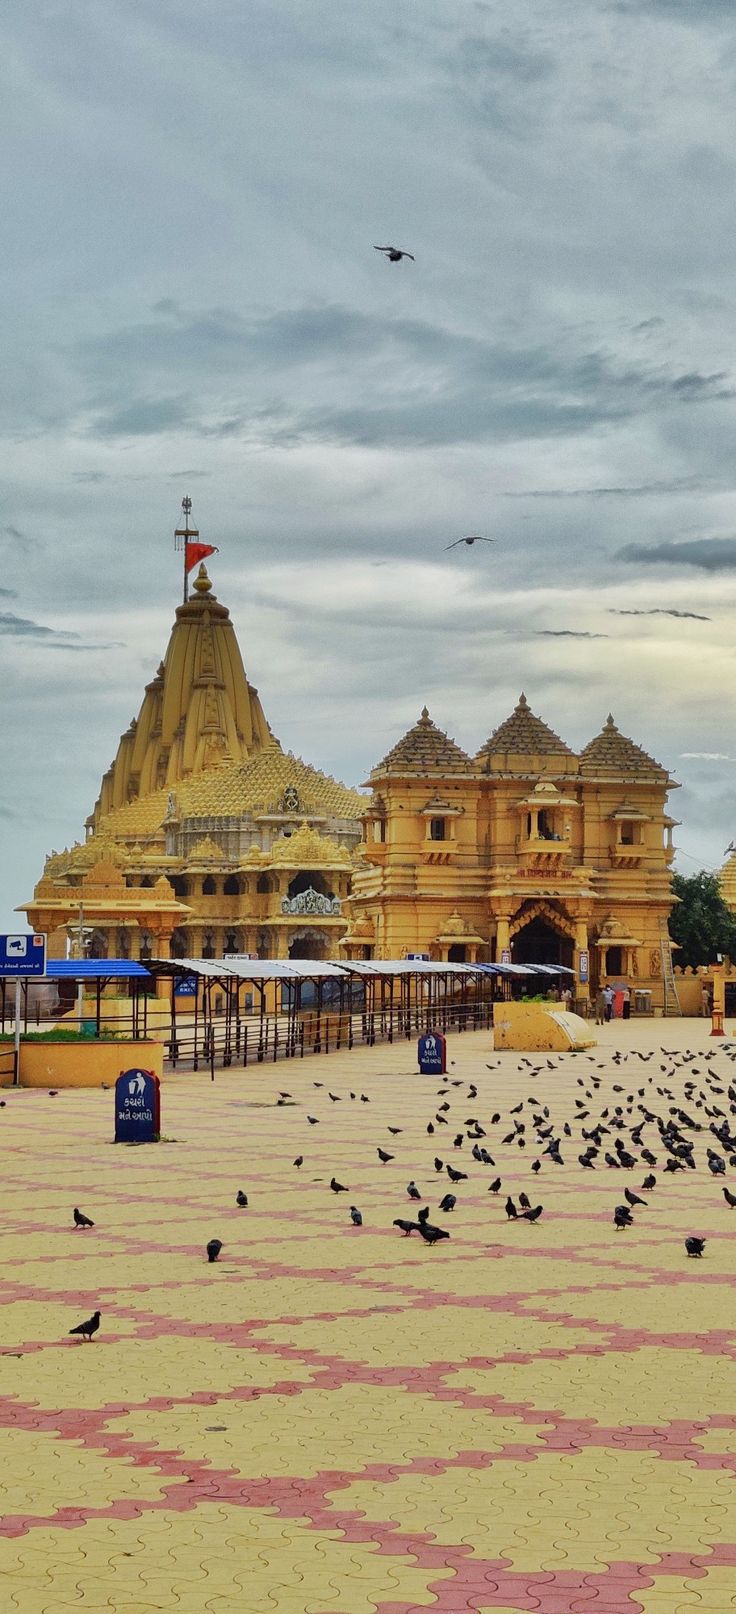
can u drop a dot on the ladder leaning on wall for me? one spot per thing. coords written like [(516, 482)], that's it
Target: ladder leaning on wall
[(671, 1003)]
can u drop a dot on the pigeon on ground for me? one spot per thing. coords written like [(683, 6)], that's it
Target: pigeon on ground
[(355, 1216), (510, 1209), (649, 1182), (729, 1197), (695, 1246), (633, 1199), (241, 1198), (456, 1176), (494, 1186), (406, 1227), (438, 1164), (532, 1215), (622, 1217), (312, 1119), (448, 1203), (431, 1234), (89, 1328), (299, 1160), (382, 1155), (213, 1249), (413, 1191), (337, 1187), (80, 1220)]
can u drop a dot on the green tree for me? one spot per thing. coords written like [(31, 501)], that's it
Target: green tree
[(700, 922)]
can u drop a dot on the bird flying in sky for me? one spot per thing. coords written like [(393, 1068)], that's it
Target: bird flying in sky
[(476, 538), (395, 254)]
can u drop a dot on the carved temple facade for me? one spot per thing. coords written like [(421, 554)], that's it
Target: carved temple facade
[(206, 838), (525, 852)]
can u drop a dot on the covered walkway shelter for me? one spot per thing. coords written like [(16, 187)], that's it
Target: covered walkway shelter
[(318, 1006), (313, 1006)]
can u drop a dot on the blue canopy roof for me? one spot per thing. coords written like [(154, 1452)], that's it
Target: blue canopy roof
[(93, 969)]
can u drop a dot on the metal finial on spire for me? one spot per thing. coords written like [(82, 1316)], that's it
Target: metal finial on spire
[(183, 536)]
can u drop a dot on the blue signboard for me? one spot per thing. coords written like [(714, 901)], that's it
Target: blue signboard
[(22, 955), (185, 986), (432, 1054), (583, 963), (137, 1107)]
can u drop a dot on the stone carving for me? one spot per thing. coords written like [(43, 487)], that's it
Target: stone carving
[(290, 800), (311, 902)]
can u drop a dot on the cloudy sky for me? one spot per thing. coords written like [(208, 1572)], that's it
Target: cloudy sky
[(191, 303)]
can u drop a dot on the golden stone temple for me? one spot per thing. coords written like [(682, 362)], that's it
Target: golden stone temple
[(207, 839)]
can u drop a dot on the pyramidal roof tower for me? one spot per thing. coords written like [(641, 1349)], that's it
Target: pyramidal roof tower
[(198, 710)]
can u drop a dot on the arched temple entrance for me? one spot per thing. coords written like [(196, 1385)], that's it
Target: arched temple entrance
[(542, 934), (309, 944)]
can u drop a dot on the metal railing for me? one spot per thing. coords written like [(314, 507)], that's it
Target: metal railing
[(272, 1037)]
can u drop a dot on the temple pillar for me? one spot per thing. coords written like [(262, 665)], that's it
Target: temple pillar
[(581, 946), (503, 939)]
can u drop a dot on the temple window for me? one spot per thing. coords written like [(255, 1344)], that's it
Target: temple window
[(457, 953), (231, 887), (614, 960), (379, 829), (629, 832), (209, 887), (437, 829), (263, 885), (179, 885)]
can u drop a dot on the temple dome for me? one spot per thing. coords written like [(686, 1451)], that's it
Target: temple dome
[(198, 710)]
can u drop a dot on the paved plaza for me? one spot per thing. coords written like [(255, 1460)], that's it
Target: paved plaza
[(335, 1419)]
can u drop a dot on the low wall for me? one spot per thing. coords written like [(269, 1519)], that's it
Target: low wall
[(84, 1064), (539, 1028)]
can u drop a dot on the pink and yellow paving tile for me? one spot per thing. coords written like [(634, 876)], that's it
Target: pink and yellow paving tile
[(524, 1416)]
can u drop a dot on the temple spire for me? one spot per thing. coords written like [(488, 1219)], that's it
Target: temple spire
[(182, 538)]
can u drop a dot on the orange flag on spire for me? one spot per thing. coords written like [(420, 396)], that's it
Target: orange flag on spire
[(197, 552)]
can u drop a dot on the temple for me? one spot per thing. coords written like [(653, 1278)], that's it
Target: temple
[(525, 852), (206, 838)]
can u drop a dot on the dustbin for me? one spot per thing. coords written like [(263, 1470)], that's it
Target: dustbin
[(642, 1001)]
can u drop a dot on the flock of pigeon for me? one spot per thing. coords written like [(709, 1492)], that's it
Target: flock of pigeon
[(641, 1123)]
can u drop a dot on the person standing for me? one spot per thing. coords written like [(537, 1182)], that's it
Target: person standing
[(608, 998), (600, 1006)]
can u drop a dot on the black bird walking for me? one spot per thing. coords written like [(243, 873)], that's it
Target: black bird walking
[(456, 1176), (413, 1191), (511, 1210), (431, 1234), (89, 1328), (213, 1249), (355, 1216), (695, 1246), (382, 1155), (406, 1227), (533, 1215), (448, 1203), (241, 1198), (299, 1160), (729, 1197), (622, 1217), (337, 1187), (80, 1220)]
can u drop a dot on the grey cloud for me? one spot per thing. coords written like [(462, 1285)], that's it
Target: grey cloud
[(14, 535), (18, 627), (660, 610), (143, 417), (417, 383), (568, 633), (637, 490), (708, 554)]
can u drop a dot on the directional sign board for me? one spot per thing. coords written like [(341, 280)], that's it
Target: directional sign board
[(432, 1054), (137, 1107), (22, 955)]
